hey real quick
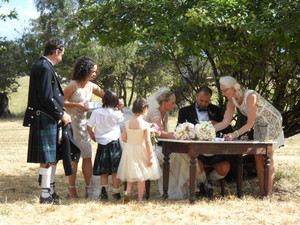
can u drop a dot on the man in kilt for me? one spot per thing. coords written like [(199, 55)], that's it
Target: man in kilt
[(43, 113)]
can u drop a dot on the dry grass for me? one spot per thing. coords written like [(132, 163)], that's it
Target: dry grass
[(19, 193)]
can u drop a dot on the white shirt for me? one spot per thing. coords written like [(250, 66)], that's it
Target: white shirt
[(202, 115), (107, 124)]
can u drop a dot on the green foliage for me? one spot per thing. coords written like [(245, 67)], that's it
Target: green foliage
[(8, 72), (130, 70), (255, 41), (11, 15)]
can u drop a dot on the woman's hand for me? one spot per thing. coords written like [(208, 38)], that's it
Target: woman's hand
[(82, 107), (149, 163), (231, 136)]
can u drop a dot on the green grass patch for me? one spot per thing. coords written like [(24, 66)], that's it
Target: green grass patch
[(18, 100)]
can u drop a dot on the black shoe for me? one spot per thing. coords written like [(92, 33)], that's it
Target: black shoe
[(205, 190), (49, 200), (55, 196), (103, 196), (116, 196), (209, 189)]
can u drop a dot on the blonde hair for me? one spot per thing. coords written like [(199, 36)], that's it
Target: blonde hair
[(164, 96), (229, 82)]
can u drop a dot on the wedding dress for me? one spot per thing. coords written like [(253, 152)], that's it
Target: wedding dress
[(179, 163)]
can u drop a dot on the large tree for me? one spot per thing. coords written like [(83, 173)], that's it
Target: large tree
[(125, 69), (8, 75), (130, 70), (255, 41)]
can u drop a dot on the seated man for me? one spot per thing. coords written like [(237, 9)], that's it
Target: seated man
[(202, 110)]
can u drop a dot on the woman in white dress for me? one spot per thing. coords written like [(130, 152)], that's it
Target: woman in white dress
[(76, 96), (265, 119), (179, 163), (138, 162)]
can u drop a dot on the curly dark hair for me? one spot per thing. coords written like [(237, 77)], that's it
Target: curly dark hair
[(139, 105), (110, 99), (83, 67), (53, 44)]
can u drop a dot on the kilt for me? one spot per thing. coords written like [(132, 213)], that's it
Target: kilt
[(107, 158), (42, 140), (212, 160)]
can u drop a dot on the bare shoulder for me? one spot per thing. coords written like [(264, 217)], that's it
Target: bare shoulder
[(71, 87), (252, 98)]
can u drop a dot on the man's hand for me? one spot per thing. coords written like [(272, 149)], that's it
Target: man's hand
[(66, 119)]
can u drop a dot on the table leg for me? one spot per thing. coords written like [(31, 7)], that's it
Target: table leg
[(266, 174), (193, 167), (166, 171), (239, 175)]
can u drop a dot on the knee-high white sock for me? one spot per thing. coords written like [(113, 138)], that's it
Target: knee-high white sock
[(201, 176), (52, 179), (215, 176), (45, 174)]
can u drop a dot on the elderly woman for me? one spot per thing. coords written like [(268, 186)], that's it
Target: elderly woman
[(263, 117)]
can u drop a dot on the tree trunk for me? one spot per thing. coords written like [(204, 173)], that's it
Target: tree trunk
[(4, 107)]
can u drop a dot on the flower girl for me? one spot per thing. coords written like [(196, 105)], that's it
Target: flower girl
[(138, 162)]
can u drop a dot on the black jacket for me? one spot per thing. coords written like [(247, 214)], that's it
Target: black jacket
[(189, 114), (45, 92), (67, 150)]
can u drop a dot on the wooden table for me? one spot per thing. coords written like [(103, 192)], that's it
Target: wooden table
[(194, 148)]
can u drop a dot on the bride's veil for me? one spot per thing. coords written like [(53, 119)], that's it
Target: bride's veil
[(153, 104), (152, 99)]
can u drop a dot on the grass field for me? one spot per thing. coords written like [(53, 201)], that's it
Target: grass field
[(19, 193)]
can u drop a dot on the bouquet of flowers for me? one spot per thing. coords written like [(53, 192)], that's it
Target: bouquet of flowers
[(154, 133), (205, 131), (185, 131)]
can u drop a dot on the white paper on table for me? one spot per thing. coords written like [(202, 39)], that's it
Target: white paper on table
[(93, 105), (219, 139)]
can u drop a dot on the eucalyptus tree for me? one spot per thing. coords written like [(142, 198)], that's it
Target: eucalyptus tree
[(255, 41)]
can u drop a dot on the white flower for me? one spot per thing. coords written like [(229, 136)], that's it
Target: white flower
[(205, 131), (185, 131)]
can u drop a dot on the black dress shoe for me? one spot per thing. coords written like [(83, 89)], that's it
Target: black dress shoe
[(103, 196), (205, 189), (49, 200), (209, 189)]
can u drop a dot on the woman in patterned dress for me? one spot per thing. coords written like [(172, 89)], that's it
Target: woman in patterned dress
[(263, 117), (76, 95)]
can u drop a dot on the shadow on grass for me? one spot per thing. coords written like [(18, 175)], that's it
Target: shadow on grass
[(24, 187)]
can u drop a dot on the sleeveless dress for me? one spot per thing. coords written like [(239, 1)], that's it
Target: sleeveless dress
[(79, 121), (133, 165), (268, 122)]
